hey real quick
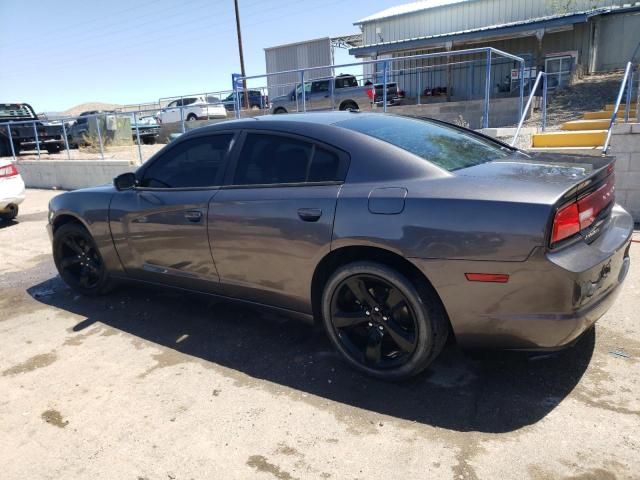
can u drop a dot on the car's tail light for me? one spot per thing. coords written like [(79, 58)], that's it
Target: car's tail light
[(401, 94), (8, 171), (581, 214), (370, 93)]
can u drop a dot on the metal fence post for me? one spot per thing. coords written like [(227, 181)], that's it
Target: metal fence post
[(35, 131), (487, 90), (522, 70), (135, 121), (302, 92), (13, 148), (419, 86), (99, 136), (333, 92), (544, 102), (66, 140), (385, 73), (182, 114), (627, 108)]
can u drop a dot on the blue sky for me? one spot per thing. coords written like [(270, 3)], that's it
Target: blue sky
[(56, 54)]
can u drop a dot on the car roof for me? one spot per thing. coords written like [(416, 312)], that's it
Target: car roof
[(319, 118)]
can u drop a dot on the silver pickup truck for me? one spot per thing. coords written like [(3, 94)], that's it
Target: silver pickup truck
[(347, 95)]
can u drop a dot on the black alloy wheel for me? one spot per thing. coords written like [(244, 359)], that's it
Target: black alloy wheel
[(374, 321), (378, 321), (78, 260)]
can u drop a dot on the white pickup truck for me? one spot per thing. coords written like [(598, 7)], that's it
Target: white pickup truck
[(193, 108), (347, 94)]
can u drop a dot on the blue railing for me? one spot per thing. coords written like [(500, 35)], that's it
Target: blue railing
[(542, 77), (626, 85), (387, 65)]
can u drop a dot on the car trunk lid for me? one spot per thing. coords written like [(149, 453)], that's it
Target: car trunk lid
[(581, 187)]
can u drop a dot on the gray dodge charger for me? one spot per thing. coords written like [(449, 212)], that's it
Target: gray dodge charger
[(393, 233)]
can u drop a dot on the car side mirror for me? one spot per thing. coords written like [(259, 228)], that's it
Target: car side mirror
[(125, 181)]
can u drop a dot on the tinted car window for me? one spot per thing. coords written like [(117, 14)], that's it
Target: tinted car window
[(344, 82), (444, 146), (269, 159), (198, 162), (320, 86), (272, 159), (325, 167)]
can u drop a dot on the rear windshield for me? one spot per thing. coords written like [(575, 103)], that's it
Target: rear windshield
[(20, 110), (447, 147)]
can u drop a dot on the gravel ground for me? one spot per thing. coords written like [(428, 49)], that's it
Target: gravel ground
[(588, 94), (155, 384)]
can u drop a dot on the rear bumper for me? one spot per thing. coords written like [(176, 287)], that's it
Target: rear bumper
[(549, 300), (12, 192)]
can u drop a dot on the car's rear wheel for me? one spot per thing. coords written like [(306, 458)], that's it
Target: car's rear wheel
[(279, 110), (9, 213), (192, 117), (53, 149), (381, 323), (349, 106), (78, 260)]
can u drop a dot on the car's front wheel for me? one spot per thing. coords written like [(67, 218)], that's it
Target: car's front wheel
[(78, 260), (381, 323)]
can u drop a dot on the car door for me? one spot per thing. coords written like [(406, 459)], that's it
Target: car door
[(272, 222), (320, 95), (171, 113), (160, 227)]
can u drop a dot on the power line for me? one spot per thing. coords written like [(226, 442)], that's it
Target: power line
[(206, 21), (99, 56)]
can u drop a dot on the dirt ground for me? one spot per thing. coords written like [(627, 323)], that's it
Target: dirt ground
[(154, 384)]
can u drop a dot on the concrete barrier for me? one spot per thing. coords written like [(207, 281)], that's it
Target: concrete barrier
[(625, 146), (71, 175)]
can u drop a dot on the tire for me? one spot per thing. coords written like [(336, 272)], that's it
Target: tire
[(279, 110), (10, 213), (192, 117), (51, 149), (148, 140), (79, 262), (349, 106), (410, 336)]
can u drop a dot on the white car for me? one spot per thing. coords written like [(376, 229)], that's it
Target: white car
[(12, 191), (193, 108)]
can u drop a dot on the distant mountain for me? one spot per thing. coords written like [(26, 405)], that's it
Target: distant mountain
[(83, 107)]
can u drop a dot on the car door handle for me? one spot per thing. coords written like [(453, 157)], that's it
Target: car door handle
[(193, 215), (310, 214)]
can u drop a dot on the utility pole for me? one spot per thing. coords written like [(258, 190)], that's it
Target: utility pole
[(245, 94)]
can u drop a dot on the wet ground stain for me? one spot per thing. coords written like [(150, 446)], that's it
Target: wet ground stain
[(54, 417), (261, 464), (33, 363)]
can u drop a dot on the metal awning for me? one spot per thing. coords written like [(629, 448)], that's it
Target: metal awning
[(515, 28), (353, 40)]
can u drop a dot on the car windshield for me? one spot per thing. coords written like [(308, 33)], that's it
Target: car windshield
[(447, 147)]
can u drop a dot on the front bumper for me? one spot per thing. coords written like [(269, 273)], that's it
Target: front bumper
[(549, 300)]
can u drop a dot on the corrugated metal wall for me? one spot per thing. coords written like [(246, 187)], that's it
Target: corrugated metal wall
[(617, 40), (314, 53), (466, 16), (467, 73)]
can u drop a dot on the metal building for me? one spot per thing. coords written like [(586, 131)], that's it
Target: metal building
[(561, 37), (310, 53)]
